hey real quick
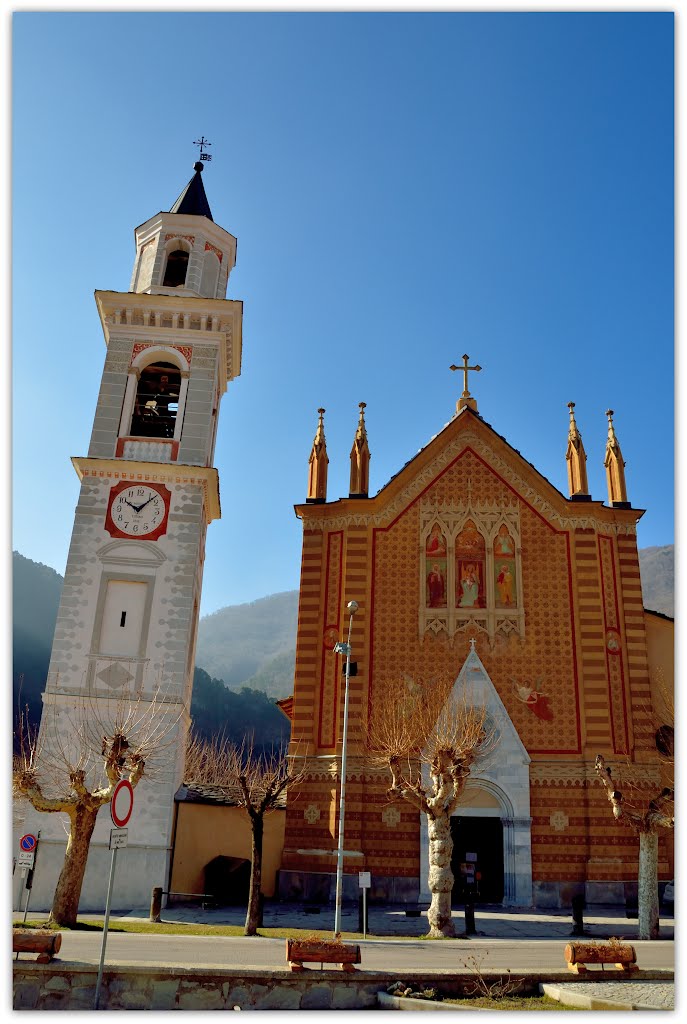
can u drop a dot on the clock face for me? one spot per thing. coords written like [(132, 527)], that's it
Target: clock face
[(138, 511)]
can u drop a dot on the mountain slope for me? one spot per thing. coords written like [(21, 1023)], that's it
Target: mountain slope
[(239, 641), (657, 566)]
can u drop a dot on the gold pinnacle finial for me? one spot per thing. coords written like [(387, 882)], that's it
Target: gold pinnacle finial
[(317, 464), (466, 398), (615, 467), (360, 459), (611, 428), (576, 459)]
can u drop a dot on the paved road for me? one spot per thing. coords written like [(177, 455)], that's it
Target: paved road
[(377, 954)]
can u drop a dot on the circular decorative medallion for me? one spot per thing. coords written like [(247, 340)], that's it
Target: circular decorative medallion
[(613, 641), (331, 637)]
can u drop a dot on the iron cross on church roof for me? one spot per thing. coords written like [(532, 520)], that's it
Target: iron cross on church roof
[(203, 143), (465, 368)]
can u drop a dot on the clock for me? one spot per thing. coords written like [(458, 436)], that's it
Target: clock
[(137, 511)]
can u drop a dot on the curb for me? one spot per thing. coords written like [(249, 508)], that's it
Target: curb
[(388, 1002), (568, 998)]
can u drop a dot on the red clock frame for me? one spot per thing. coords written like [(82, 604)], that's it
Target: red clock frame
[(158, 532)]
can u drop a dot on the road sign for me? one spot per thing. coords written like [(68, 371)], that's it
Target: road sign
[(122, 803), (25, 858), (119, 838), (364, 879), (28, 842)]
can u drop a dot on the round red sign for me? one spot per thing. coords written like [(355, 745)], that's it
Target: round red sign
[(122, 803)]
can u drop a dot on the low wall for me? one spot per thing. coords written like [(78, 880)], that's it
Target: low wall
[(61, 986)]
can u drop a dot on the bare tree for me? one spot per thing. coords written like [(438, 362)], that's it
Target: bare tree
[(647, 818), (254, 781), (646, 822), (73, 769), (416, 727)]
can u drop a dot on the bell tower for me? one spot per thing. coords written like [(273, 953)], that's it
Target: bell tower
[(129, 610)]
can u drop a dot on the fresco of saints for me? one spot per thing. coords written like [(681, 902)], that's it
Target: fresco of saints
[(503, 545), (436, 588), (436, 545), (469, 585), (504, 582)]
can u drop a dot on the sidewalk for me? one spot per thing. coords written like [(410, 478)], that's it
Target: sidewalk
[(495, 922)]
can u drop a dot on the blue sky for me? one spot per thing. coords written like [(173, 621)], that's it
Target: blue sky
[(404, 188)]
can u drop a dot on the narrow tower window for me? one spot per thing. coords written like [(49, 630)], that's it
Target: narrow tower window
[(175, 271), (157, 401)]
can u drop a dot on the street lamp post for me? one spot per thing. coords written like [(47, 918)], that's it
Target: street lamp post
[(343, 648)]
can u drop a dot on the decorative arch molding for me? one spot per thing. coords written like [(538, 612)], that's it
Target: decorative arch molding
[(144, 354), (141, 553)]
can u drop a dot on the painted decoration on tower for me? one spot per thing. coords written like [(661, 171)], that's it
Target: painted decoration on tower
[(470, 563)]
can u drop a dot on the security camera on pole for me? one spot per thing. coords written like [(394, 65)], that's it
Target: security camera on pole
[(343, 648)]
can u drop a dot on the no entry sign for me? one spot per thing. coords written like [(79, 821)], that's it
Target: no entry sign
[(122, 803)]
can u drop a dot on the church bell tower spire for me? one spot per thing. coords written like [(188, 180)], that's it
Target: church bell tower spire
[(128, 615), (360, 460), (577, 461), (615, 468)]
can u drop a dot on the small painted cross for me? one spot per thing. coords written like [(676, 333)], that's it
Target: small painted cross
[(472, 643), (465, 368)]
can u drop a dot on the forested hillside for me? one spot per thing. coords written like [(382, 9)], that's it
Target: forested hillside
[(240, 642)]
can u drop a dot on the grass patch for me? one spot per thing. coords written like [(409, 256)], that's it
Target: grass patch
[(181, 928), (542, 1002)]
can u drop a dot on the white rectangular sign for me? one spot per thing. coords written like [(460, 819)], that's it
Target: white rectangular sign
[(364, 879), (119, 838), (25, 858)]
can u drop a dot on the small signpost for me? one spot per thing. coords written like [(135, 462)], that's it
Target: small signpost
[(28, 845), (121, 806), (364, 883)]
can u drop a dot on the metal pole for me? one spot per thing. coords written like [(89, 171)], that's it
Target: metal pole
[(26, 905), (105, 924), (352, 608), (365, 913)]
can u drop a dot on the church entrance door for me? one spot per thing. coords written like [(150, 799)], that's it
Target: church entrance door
[(483, 837)]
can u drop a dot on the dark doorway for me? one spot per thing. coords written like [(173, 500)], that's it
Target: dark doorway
[(482, 837), (227, 879)]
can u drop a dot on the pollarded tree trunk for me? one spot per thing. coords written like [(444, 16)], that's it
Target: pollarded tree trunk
[(440, 876), (253, 915), (647, 895), (65, 904)]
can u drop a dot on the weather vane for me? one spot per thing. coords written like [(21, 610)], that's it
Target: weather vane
[(203, 143)]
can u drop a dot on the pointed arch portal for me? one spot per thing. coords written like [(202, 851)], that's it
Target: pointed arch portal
[(496, 802)]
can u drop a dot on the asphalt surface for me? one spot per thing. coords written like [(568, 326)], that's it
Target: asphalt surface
[(532, 941), (522, 940)]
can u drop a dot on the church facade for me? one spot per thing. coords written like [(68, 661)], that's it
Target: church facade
[(472, 568)]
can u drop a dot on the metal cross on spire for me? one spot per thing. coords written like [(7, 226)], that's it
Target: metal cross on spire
[(203, 143), (465, 368)]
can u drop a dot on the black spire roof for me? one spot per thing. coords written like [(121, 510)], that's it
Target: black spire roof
[(193, 199)]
